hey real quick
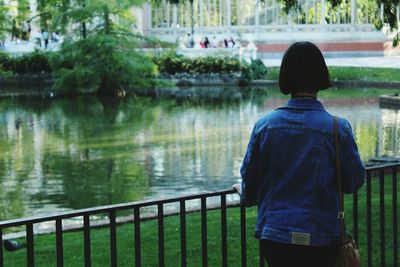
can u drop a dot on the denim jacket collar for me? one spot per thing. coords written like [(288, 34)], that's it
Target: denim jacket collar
[(303, 103)]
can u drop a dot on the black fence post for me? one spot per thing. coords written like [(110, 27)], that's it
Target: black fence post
[(382, 216), (161, 261), (59, 242), (224, 239), (204, 231), (369, 221), (183, 232), (30, 253), (243, 235), (1, 248), (138, 245), (355, 216), (86, 240), (113, 238), (395, 218)]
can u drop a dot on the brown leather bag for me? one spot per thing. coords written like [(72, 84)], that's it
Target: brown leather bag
[(348, 254)]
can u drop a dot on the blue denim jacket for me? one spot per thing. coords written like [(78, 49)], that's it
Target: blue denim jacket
[(289, 171)]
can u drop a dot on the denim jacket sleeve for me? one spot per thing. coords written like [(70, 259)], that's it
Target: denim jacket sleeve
[(249, 171), (353, 171)]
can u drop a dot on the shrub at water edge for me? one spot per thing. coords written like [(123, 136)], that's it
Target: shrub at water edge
[(106, 63)]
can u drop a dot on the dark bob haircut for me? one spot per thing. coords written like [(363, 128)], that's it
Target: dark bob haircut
[(303, 69)]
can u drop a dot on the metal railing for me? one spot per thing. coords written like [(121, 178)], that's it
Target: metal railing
[(136, 207), (382, 173), (386, 176)]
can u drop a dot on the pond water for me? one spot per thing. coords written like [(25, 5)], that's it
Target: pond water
[(59, 154)]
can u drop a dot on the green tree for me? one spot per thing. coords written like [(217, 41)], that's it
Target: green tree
[(23, 11), (13, 17), (105, 57), (45, 9), (108, 63), (4, 20), (93, 16)]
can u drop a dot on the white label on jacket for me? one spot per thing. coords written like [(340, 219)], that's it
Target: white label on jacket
[(300, 238)]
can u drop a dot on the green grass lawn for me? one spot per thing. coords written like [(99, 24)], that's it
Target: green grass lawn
[(352, 73), (73, 241)]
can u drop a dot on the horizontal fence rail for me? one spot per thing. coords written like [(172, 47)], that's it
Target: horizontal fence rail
[(377, 220)]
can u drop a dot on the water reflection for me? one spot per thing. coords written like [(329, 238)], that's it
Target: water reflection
[(71, 153)]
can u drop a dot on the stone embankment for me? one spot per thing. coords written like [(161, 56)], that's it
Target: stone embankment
[(203, 79), (390, 101), (182, 84), (25, 85)]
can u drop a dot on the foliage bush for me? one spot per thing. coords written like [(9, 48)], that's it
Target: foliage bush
[(258, 69), (171, 63), (5, 61), (103, 62), (35, 62), (108, 61), (255, 70)]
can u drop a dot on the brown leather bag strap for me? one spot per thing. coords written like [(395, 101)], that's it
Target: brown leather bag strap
[(342, 230)]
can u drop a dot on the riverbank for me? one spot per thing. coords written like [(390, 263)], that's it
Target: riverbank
[(184, 85), (211, 86)]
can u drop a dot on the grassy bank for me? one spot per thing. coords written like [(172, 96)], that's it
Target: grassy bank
[(352, 73), (73, 241)]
